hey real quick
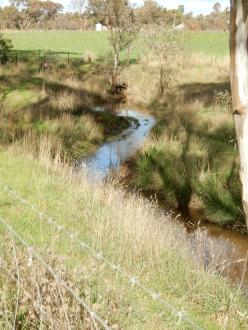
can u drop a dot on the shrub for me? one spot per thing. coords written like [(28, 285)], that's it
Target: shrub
[(5, 47)]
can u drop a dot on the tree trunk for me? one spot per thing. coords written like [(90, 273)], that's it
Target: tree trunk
[(115, 71), (239, 84)]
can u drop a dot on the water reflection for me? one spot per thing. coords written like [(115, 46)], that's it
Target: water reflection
[(112, 154)]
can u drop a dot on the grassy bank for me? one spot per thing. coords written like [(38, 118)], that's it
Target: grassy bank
[(128, 231), (194, 131), (57, 103), (191, 160)]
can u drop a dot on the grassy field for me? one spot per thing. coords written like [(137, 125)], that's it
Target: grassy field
[(201, 181), (128, 231), (61, 41), (190, 160), (208, 43), (97, 44)]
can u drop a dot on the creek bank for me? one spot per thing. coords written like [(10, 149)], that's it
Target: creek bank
[(228, 244), (117, 156)]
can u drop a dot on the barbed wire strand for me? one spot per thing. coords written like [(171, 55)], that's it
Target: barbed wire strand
[(56, 277), (18, 282), (133, 280)]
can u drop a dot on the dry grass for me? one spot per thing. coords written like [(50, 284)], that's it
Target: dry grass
[(31, 298), (57, 104), (128, 230), (214, 61), (143, 78)]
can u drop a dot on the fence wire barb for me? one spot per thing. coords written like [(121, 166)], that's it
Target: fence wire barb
[(181, 315), (56, 277), (18, 282)]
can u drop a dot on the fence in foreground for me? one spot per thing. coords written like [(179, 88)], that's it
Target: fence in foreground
[(180, 315)]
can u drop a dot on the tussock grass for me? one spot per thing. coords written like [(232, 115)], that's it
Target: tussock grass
[(194, 135), (129, 231)]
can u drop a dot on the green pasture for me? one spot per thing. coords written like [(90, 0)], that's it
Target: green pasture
[(97, 43), (208, 43), (82, 43)]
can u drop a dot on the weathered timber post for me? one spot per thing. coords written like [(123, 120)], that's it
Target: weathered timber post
[(239, 84)]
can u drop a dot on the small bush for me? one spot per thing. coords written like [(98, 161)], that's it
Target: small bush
[(5, 47)]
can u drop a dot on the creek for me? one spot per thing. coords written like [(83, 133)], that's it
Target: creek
[(225, 248)]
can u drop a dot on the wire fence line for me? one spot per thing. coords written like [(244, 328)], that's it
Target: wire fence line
[(58, 279), (40, 56), (134, 281), (18, 282)]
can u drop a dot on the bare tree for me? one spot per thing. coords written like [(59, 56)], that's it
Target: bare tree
[(78, 6), (239, 83), (123, 32), (217, 8), (163, 46)]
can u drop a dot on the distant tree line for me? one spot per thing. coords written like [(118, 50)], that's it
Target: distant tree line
[(217, 20), (47, 14)]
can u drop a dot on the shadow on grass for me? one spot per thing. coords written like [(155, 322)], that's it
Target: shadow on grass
[(203, 91), (178, 183), (56, 99), (192, 162)]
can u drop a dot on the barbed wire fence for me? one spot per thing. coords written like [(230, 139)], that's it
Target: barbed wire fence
[(134, 281), (11, 276), (41, 57), (58, 279)]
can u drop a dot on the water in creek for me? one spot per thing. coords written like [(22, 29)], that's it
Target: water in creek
[(229, 247), (232, 249), (112, 154)]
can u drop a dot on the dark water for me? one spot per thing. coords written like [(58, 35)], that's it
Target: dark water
[(231, 249), (228, 249)]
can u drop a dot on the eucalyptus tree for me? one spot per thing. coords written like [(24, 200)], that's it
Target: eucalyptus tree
[(239, 84)]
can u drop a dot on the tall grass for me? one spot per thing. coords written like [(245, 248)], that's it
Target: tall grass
[(57, 103), (129, 231), (190, 162), (178, 161)]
